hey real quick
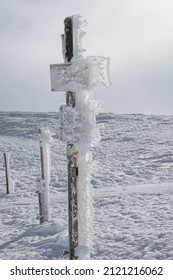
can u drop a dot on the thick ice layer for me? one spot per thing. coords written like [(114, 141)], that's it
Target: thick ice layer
[(45, 135), (78, 33), (45, 138), (78, 124), (81, 74)]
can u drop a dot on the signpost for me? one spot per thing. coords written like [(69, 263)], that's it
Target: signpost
[(77, 76), (58, 85)]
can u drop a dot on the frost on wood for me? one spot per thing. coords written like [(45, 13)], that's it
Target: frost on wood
[(82, 73), (45, 138), (78, 123), (78, 128), (45, 135), (78, 24), (82, 76)]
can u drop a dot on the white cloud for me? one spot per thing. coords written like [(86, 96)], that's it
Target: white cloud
[(137, 35)]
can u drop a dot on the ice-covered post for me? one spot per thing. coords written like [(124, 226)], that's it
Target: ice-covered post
[(72, 165), (43, 187), (78, 75), (9, 183)]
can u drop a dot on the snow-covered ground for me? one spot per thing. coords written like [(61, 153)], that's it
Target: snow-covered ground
[(132, 183)]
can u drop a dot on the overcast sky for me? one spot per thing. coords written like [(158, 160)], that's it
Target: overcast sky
[(137, 35)]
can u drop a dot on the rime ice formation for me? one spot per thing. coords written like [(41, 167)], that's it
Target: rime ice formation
[(45, 138), (83, 73), (77, 123), (82, 76)]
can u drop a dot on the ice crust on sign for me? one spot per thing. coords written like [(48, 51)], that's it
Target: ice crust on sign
[(83, 73), (78, 124)]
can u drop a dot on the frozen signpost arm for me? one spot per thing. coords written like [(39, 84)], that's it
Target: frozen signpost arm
[(77, 77)]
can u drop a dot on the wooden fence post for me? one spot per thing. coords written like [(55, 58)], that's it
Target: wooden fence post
[(43, 192), (9, 183)]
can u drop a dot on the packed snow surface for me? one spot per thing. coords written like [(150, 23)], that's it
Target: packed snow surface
[(132, 186)]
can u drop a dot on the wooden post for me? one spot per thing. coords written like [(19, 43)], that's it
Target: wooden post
[(71, 157), (9, 183), (43, 193), (6, 158)]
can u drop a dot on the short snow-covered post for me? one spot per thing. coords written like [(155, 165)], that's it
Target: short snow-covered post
[(9, 182), (78, 75), (43, 187)]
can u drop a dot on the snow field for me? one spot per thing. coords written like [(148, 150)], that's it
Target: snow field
[(131, 182)]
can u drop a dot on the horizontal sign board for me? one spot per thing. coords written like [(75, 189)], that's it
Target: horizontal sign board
[(68, 77), (86, 73)]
